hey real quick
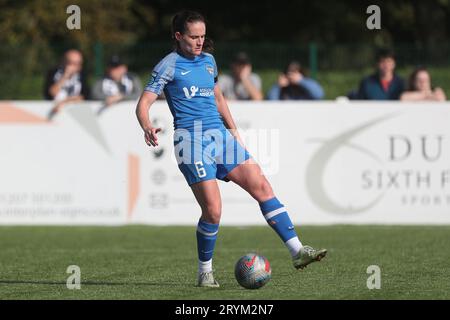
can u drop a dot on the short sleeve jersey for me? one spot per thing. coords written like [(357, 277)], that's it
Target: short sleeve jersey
[(188, 85)]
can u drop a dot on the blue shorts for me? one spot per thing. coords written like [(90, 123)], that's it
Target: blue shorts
[(207, 155)]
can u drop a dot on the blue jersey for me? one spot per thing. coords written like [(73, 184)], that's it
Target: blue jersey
[(188, 85)]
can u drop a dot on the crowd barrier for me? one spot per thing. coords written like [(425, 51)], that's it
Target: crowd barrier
[(328, 162)]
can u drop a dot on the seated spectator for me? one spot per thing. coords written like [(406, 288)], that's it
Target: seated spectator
[(294, 85), (384, 84), (66, 83), (419, 87), (117, 85), (242, 84)]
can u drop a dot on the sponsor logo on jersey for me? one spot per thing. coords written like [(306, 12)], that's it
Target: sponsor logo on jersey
[(196, 91), (190, 95), (206, 92)]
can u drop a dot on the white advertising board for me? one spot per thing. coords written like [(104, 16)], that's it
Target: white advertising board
[(328, 162)]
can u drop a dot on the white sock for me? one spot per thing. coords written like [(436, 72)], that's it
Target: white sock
[(204, 266), (294, 245)]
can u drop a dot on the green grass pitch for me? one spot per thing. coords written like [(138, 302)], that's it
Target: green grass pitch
[(148, 262)]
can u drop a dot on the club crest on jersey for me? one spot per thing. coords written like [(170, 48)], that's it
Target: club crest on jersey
[(210, 69)]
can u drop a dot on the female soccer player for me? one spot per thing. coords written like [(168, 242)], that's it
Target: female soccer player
[(204, 123)]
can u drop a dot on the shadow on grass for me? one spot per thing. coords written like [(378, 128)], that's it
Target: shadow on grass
[(94, 283)]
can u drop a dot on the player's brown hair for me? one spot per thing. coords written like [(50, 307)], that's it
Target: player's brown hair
[(179, 24)]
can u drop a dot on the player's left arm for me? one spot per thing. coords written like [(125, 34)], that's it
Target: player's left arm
[(224, 111)]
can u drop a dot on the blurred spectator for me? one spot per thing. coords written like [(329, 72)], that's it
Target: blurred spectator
[(419, 87), (294, 85), (242, 84), (66, 83), (118, 84), (384, 84)]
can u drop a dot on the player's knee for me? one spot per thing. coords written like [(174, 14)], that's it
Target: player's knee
[(267, 191), (263, 190), (212, 212)]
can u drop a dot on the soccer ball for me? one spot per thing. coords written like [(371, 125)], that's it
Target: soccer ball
[(252, 271)]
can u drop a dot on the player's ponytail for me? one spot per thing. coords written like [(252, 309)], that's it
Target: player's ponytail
[(208, 45)]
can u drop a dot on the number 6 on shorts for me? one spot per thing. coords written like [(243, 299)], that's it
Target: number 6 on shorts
[(200, 170)]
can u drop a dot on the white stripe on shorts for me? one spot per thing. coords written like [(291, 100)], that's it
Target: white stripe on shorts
[(208, 234), (273, 213)]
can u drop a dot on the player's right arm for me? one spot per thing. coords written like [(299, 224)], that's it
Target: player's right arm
[(142, 112), (162, 74)]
